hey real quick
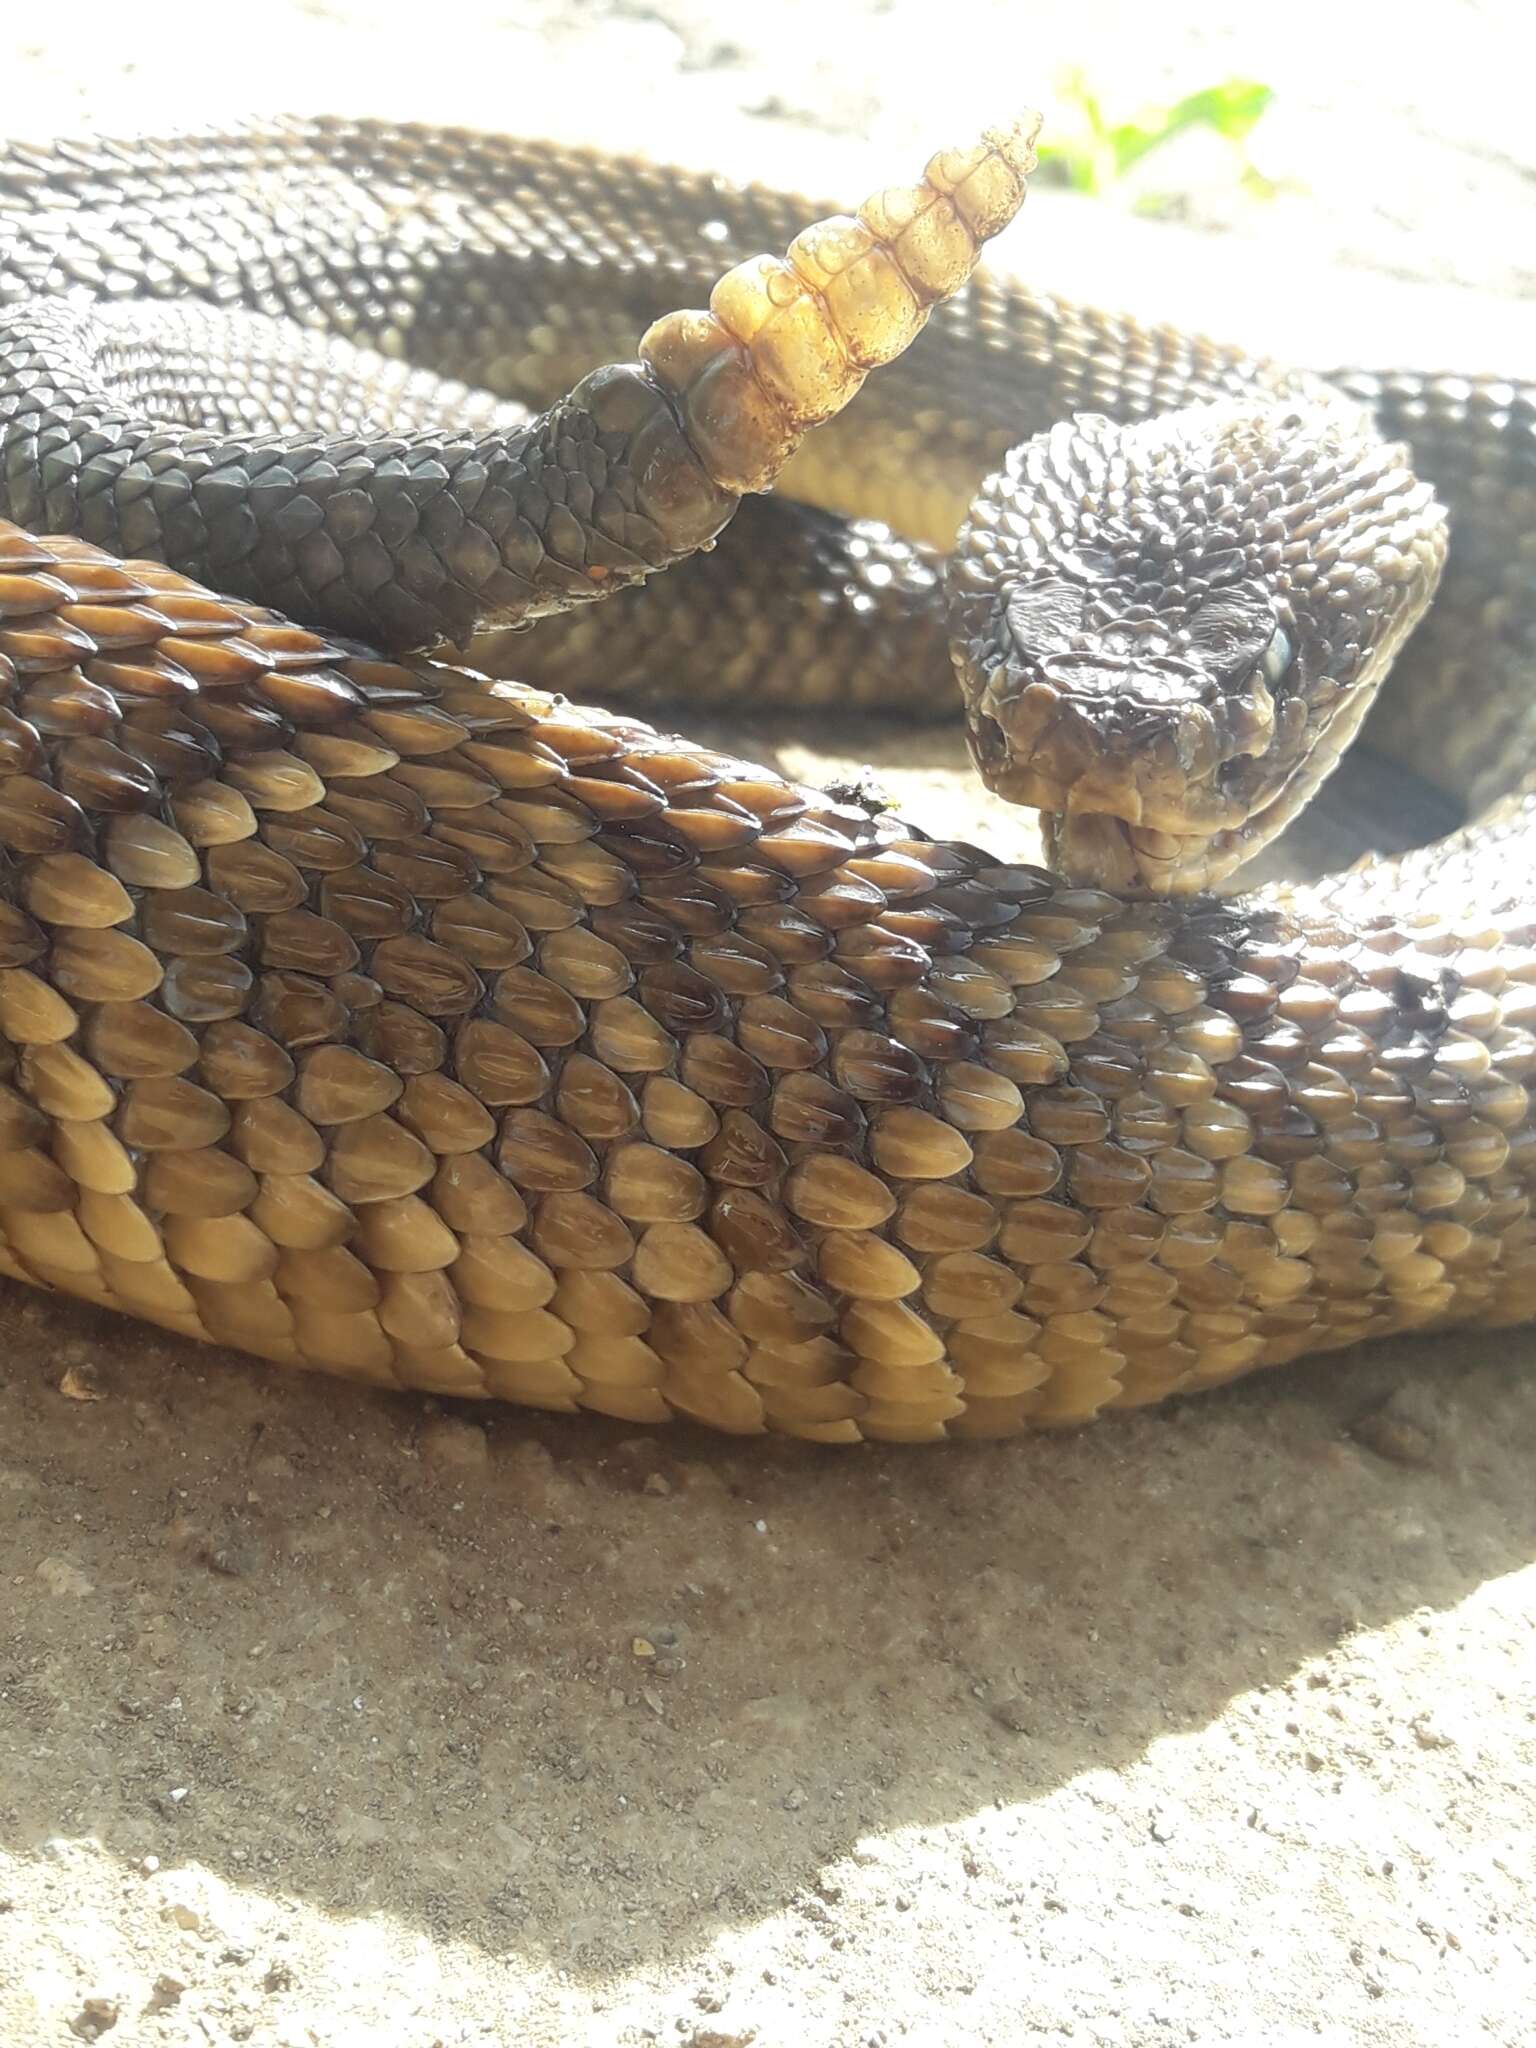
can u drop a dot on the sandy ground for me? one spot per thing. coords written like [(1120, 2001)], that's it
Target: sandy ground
[(327, 1719)]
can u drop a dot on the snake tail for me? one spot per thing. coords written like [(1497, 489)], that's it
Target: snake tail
[(409, 538)]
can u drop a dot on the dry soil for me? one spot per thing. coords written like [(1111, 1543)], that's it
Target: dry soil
[(330, 1719)]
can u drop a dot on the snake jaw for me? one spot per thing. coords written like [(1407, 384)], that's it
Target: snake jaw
[(1103, 852)]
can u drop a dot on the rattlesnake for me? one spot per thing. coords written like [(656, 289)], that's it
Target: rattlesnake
[(371, 1017)]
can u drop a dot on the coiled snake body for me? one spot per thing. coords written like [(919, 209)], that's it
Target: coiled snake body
[(374, 1018)]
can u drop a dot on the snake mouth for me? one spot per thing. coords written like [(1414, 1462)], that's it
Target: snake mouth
[(1157, 742), (1106, 852)]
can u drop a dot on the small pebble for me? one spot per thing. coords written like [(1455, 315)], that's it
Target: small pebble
[(63, 1579), (97, 2016), (450, 1445), (1394, 1435)]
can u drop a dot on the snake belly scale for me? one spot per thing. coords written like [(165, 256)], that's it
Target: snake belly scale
[(375, 1018)]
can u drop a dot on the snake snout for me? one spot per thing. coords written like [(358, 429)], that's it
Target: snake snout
[(1144, 737)]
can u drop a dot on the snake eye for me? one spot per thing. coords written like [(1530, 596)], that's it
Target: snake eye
[(1278, 656)]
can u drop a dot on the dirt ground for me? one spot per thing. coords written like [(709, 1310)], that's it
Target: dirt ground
[(329, 1719)]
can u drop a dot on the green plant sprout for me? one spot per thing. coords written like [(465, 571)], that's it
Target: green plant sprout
[(1096, 158)]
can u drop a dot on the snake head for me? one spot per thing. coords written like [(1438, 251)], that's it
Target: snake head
[(1167, 632)]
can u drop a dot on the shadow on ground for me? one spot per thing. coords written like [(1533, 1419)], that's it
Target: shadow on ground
[(572, 1694)]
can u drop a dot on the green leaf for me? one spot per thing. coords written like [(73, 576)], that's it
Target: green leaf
[(1101, 153), (1231, 109)]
